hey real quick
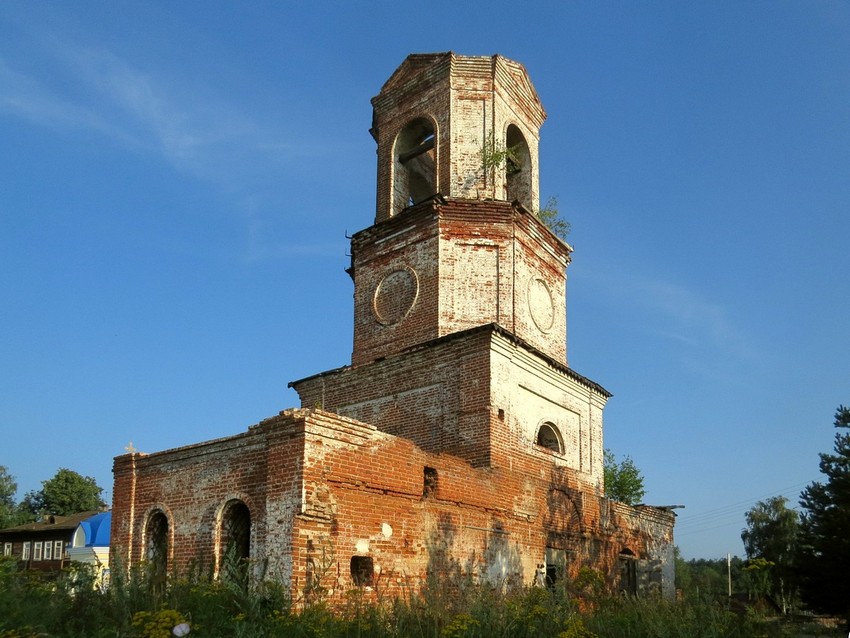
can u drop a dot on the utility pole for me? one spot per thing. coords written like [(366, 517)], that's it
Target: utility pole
[(729, 573)]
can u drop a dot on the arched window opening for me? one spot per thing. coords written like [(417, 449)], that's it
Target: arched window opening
[(156, 547), (235, 542), (415, 164), (549, 437), (518, 170)]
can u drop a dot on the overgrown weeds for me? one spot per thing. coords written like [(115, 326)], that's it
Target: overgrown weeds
[(196, 604)]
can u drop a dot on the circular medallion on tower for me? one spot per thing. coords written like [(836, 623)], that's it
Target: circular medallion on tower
[(540, 304), (395, 295)]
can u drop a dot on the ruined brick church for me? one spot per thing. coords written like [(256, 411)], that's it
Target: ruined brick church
[(458, 441)]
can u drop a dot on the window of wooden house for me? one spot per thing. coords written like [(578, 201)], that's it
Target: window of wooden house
[(58, 550), (37, 550), (25, 552), (7, 549), (48, 550)]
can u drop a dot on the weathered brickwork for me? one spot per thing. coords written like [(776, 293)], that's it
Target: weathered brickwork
[(481, 394), (458, 441), (341, 488), (192, 485), (469, 102), (447, 265)]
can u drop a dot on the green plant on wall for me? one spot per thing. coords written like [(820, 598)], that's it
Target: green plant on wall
[(495, 154), (321, 562), (550, 216)]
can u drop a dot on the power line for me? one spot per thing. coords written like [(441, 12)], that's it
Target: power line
[(726, 512)]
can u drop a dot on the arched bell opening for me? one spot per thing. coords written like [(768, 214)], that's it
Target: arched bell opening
[(414, 164), (518, 169)]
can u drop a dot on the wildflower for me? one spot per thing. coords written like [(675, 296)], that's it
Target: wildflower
[(181, 630)]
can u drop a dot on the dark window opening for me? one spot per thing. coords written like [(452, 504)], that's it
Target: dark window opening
[(362, 570), (236, 542), (553, 575), (554, 568), (429, 482), (236, 529), (627, 563), (548, 437), (156, 548), (518, 168)]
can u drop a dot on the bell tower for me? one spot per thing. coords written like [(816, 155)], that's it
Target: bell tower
[(462, 126), (460, 330), (456, 242)]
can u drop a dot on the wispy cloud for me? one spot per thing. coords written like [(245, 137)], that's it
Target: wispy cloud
[(689, 317), (197, 129), (28, 98), (697, 326), (191, 126)]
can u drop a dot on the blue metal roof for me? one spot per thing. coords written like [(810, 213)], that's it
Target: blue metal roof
[(97, 529)]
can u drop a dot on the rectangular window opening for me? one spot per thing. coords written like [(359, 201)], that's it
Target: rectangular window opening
[(362, 571), (429, 482)]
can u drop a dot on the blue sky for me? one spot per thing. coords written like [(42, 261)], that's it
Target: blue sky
[(177, 181)]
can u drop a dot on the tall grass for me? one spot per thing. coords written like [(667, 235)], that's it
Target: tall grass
[(32, 605)]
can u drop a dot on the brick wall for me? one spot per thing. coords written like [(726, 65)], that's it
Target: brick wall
[(530, 390), (445, 266), (192, 485), (322, 489), (481, 394), (436, 395)]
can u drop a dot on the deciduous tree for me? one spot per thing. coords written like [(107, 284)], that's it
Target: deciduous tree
[(707, 579), (824, 543), (66, 493), (771, 536), (8, 489), (623, 480)]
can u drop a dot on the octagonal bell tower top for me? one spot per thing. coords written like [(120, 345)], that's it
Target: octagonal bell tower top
[(462, 126)]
